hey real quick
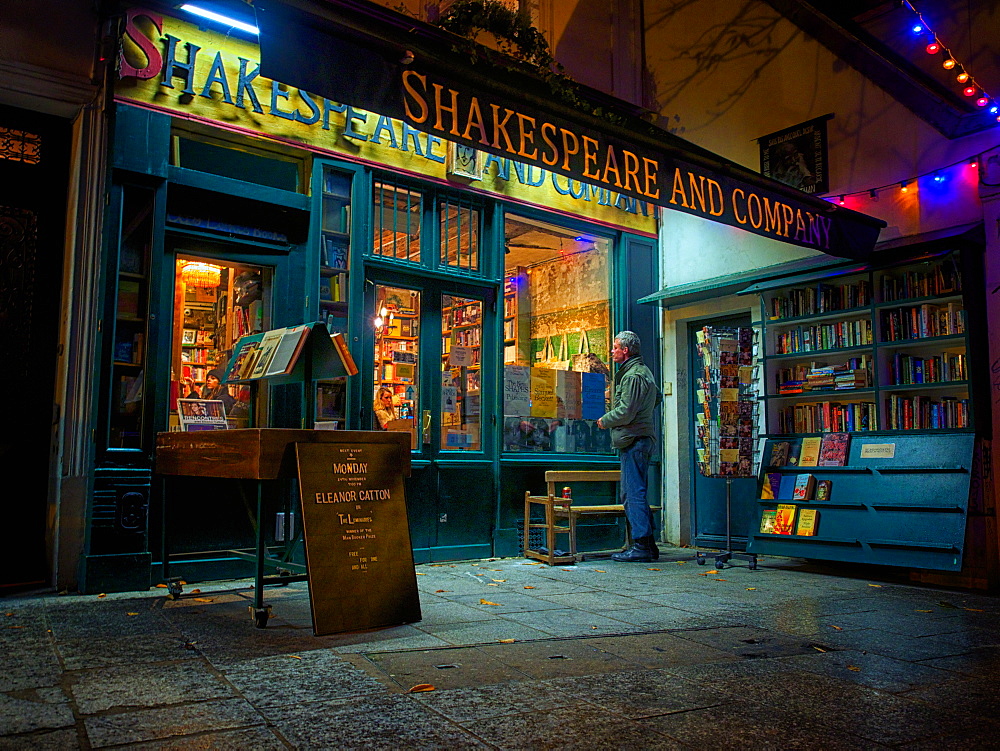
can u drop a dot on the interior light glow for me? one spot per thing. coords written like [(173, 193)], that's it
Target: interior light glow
[(219, 18), (904, 186)]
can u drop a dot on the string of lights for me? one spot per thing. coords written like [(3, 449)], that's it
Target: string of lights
[(971, 87), (938, 175)]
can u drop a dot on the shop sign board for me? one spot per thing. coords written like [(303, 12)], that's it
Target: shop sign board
[(193, 73)]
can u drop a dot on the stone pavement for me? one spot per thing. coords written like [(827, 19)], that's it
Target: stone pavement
[(667, 655)]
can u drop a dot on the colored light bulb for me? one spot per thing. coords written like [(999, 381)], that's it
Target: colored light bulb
[(962, 77), (969, 90), (982, 101), (949, 63), (933, 48)]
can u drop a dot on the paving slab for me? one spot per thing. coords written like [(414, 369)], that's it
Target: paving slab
[(391, 722), (296, 678), (557, 658), (468, 705), (169, 722), (256, 738), (33, 712), (461, 667), (146, 686)]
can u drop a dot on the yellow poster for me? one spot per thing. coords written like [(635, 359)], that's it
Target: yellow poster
[(543, 392)]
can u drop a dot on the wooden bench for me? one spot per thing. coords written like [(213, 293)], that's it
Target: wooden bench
[(561, 514)]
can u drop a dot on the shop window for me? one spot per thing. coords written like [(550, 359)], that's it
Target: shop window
[(20, 146), (461, 345), (238, 160), (557, 338), (396, 216), (397, 359), (459, 235), (216, 303)]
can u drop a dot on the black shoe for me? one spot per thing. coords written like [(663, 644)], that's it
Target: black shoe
[(650, 544), (638, 553)]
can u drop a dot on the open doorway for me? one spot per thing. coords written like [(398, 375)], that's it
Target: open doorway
[(215, 303)]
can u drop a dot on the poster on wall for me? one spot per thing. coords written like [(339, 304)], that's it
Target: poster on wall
[(797, 156)]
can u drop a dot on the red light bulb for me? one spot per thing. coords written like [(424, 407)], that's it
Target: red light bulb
[(982, 101), (969, 91), (933, 48)]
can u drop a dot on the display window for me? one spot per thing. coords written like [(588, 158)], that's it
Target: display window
[(396, 397), (215, 303), (557, 338), (461, 375), (459, 229), (396, 216)]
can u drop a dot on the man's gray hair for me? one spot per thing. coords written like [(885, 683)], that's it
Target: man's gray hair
[(630, 340)]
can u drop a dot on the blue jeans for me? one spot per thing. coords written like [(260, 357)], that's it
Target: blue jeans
[(635, 472)]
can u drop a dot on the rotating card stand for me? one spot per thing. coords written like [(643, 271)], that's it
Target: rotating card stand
[(726, 424)]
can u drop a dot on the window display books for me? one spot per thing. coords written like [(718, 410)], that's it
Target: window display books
[(779, 454), (767, 520), (823, 488)]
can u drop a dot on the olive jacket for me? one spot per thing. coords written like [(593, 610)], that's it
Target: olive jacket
[(636, 396)]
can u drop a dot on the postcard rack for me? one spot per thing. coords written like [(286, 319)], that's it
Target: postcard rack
[(726, 420)]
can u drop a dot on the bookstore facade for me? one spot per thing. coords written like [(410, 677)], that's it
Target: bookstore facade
[(478, 296)]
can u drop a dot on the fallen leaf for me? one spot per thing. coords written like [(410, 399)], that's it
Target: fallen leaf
[(973, 610), (487, 602), (527, 586), (500, 580), (506, 641), (681, 563), (131, 614), (15, 627), (835, 628), (712, 571), (421, 687), (421, 573), (102, 595), (438, 591), (600, 571), (295, 657), (751, 589), (491, 584), (473, 564), (534, 563), (182, 584), (654, 569), (874, 585), (818, 649), (8, 614), (161, 586), (195, 592), (855, 668), (924, 611), (722, 580), (594, 627), (203, 599), (436, 565)]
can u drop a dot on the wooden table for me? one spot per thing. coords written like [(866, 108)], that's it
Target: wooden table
[(260, 455)]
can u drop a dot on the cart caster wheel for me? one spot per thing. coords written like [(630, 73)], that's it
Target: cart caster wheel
[(283, 572), (701, 560), (752, 565), (174, 588), (260, 615)]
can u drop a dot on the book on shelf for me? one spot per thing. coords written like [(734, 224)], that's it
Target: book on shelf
[(786, 488), (833, 450), (767, 519), (805, 487), (779, 454), (808, 520), (809, 452), (823, 490), (286, 352), (784, 519), (771, 486)]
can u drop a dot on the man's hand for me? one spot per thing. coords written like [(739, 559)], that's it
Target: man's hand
[(600, 424)]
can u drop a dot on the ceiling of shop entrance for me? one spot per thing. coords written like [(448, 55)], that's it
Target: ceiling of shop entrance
[(527, 242)]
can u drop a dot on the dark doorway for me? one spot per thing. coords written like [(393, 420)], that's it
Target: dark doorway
[(34, 168)]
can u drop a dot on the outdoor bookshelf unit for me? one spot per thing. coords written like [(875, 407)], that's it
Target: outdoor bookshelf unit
[(907, 510), (879, 351)]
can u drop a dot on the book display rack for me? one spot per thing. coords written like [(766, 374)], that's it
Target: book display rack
[(868, 415), (726, 418)]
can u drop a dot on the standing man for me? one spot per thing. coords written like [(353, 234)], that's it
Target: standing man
[(633, 433)]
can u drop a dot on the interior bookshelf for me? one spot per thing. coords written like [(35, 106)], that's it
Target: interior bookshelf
[(516, 321), (882, 348), (333, 284), (131, 319), (461, 362)]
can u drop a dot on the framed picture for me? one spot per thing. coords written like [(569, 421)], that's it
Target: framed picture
[(464, 161), (797, 156), (189, 336)]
